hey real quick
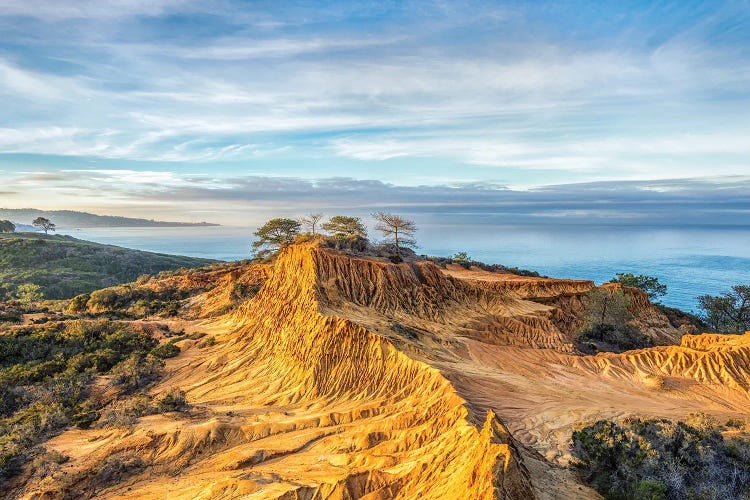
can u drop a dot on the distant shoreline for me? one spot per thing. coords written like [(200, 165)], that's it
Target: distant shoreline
[(72, 220)]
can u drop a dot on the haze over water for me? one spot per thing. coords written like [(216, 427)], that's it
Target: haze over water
[(690, 260)]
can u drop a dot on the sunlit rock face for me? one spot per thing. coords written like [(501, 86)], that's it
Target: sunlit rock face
[(346, 377)]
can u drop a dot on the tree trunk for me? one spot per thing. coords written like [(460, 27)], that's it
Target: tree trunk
[(604, 310)]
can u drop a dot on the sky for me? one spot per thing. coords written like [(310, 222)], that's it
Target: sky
[(231, 111)]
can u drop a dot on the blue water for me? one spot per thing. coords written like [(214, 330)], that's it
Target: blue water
[(690, 260)]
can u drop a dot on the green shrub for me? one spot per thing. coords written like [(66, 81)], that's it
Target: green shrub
[(117, 468), (208, 342), (166, 350), (126, 413), (735, 423), (84, 415), (136, 372), (19, 433), (104, 299), (48, 461), (173, 400), (28, 293), (78, 303), (662, 460), (169, 308), (243, 291)]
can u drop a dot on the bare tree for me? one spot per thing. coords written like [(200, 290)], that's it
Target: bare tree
[(396, 229), (311, 221)]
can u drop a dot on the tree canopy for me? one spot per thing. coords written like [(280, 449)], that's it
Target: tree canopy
[(346, 231), (660, 459), (275, 234), (648, 284), (729, 312), (45, 224), (7, 226)]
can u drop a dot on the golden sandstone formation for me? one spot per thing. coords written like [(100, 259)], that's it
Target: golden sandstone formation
[(350, 377)]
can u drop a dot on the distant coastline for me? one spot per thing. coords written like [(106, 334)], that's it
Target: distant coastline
[(71, 219)]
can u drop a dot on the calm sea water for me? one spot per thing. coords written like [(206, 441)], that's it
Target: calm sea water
[(690, 261)]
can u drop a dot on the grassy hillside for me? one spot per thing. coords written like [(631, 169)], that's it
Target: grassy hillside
[(65, 266)]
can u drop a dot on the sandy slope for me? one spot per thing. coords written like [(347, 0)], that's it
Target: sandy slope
[(355, 378)]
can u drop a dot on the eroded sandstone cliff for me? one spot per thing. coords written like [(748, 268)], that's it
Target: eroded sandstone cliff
[(348, 377)]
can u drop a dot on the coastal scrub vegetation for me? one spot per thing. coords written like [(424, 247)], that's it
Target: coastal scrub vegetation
[(660, 459), (48, 372), (462, 259)]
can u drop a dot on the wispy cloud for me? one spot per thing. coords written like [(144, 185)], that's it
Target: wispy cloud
[(485, 89)]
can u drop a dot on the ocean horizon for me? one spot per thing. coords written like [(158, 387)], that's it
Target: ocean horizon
[(690, 260)]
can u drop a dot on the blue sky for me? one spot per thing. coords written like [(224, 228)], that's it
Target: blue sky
[(187, 109)]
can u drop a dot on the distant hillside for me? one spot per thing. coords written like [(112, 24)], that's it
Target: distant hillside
[(65, 266), (72, 219)]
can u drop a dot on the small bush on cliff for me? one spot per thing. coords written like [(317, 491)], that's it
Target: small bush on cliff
[(686, 322), (174, 400), (137, 372), (78, 303), (659, 459), (117, 468), (165, 350)]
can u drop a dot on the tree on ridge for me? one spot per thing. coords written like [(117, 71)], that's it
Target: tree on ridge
[(311, 221), (396, 230), (43, 223), (346, 232), (7, 226), (648, 284), (728, 312), (273, 235)]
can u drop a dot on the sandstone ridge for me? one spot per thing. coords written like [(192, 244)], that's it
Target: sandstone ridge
[(349, 377)]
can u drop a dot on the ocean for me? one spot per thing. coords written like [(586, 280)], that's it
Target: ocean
[(691, 261)]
